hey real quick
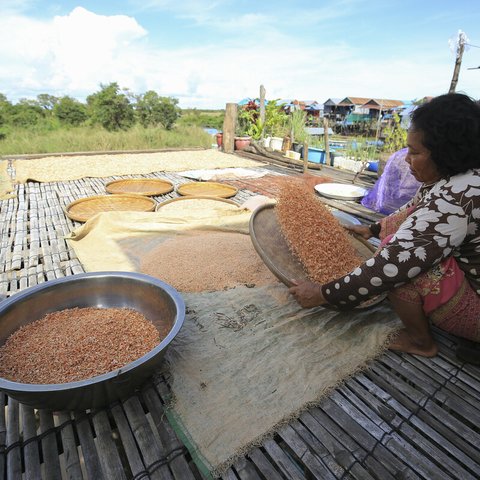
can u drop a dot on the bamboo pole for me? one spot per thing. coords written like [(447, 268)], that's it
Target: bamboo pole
[(379, 119), (327, 145), (229, 125), (305, 157), (262, 107)]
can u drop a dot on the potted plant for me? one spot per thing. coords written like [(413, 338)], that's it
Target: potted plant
[(276, 124), (246, 119), (297, 128), (241, 142)]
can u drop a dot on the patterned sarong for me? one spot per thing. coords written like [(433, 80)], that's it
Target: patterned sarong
[(445, 294)]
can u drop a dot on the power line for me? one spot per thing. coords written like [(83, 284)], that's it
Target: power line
[(470, 45)]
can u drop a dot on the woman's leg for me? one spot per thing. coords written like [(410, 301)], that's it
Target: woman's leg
[(416, 336)]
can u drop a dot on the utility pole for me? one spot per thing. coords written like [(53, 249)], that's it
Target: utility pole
[(458, 60), (262, 107)]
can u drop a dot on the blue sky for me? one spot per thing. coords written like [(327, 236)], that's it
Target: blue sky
[(210, 52)]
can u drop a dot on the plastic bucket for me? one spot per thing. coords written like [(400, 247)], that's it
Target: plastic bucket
[(315, 155), (276, 143)]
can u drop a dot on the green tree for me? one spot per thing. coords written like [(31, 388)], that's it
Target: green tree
[(70, 111), (26, 113), (46, 101), (111, 108), (154, 110), (5, 109)]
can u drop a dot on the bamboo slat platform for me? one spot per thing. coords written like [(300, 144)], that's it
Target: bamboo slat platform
[(406, 417)]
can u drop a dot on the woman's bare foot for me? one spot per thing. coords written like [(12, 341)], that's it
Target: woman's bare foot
[(403, 342)]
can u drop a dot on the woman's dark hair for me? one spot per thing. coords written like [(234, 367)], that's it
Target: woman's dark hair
[(450, 125)]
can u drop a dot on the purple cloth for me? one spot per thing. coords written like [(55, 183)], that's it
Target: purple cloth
[(395, 187)]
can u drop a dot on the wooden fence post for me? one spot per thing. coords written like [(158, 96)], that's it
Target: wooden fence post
[(327, 144), (262, 107), (305, 157), (229, 125)]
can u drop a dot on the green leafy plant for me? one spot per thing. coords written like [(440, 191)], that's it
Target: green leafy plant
[(297, 124), (256, 129), (276, 120), (395, 135), (248, 120)]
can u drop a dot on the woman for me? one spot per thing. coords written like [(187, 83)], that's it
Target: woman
[(429, 256)]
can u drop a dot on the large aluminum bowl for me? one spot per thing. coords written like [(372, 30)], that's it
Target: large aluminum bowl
[(156, 300)]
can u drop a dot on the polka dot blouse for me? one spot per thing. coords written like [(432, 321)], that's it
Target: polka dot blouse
[(445, 222)]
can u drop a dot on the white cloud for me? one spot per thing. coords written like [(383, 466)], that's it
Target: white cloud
[(74, 53), (70, 54)]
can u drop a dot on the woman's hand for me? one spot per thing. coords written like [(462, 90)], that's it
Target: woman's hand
[(362, 230), (307, 294)]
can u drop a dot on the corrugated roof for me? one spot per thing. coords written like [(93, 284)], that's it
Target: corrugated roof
[(383, 103), (304, 102), (354, 101), (408, 110), (332, 101)]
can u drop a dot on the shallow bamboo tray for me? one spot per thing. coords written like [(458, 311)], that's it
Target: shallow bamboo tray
[(193, 198), (213, 189), (84, 208), (140, 186), (273, 249)]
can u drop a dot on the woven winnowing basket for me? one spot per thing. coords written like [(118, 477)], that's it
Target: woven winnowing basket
[(140, 186), (83, 209), (212, 189), (273, 249)]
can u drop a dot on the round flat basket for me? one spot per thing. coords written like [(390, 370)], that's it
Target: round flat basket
[(140, 186), (273, 249), (211, 189), (84, 208), (197, 200)]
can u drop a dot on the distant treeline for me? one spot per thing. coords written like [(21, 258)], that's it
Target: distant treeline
[(111, 107)]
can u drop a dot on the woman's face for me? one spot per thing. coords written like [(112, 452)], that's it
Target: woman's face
[(418, 157)]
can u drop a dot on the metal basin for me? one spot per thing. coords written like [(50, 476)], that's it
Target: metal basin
[(156, 300)]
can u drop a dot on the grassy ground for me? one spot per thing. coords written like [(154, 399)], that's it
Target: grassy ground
[(83, 139)]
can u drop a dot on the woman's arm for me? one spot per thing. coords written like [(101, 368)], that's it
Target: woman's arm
[(307, 294), (364, 231), (427, 236)]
